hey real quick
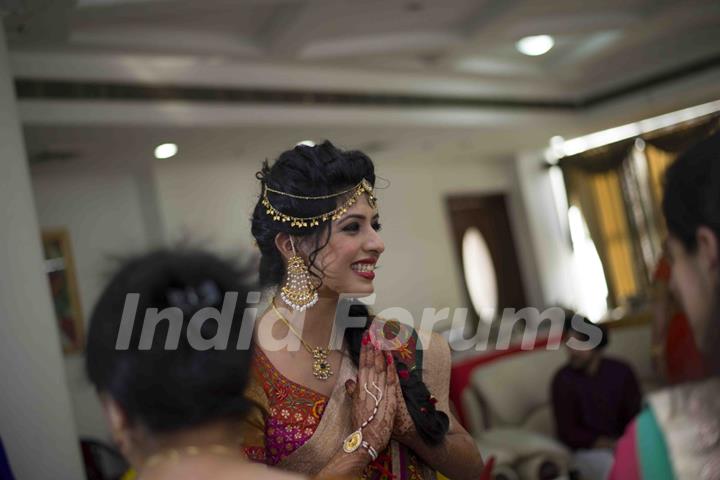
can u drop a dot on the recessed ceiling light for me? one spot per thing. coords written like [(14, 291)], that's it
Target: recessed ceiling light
[(535, 45), (166, 150)]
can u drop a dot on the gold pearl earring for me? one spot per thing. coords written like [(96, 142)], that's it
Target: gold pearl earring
[(298, 292)]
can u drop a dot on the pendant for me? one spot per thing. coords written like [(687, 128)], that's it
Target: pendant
[(321, 366), (353, 441)]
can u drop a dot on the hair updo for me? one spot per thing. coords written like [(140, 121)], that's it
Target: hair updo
[(324, 170), (168, 389)]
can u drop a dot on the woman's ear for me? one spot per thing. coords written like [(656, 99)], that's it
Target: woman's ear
[(284, 245), (118, 421), (707, 248)]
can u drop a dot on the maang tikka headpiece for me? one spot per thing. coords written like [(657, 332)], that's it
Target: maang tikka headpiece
[(364, 187)]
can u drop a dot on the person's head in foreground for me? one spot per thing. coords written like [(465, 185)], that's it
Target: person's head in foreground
[(173, 409), (585, 342), (692, 212)]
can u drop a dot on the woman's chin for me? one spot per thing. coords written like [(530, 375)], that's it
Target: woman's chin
[(355, 289), (367, 290), (363, 288)]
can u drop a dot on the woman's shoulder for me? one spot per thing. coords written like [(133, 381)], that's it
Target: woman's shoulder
[(682, 414), (258, 471), (667, 404)]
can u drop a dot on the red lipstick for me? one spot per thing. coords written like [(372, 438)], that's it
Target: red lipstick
[(370, 275)]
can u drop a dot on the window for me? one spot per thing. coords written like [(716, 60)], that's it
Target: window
[(617, 191), (588, 271), (479, 274)]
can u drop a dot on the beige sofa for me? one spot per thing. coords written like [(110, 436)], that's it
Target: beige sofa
[(508, 410)]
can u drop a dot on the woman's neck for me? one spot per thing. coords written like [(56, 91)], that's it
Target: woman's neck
[(216, 438), (317, 322)]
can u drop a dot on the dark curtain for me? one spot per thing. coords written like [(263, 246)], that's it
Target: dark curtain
[(618, 187)]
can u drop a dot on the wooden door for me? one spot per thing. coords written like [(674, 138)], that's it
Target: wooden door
[(489, 215)]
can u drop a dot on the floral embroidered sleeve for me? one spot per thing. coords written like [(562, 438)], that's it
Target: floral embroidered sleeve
[(285, 417)]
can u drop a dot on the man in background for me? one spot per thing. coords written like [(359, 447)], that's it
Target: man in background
[(594, 399)]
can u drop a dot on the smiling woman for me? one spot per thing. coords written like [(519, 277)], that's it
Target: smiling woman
[(378, 405)]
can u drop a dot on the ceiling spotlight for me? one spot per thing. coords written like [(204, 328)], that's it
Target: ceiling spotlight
[(166, 150), (535, 45)]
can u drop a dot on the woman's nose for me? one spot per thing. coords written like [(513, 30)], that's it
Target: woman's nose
[(375, 243)]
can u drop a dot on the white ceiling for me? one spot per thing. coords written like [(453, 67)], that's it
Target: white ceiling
[(649, 56), (445, 45)]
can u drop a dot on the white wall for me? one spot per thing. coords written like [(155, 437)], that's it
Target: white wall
[(420, 267), (106, 212), (208, 202), (211, 202), (548, 244), (36, 424)]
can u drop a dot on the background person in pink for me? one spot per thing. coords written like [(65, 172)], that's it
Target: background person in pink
[(678, 435)]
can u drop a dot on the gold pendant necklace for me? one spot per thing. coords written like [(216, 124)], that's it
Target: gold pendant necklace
[(321, 366)]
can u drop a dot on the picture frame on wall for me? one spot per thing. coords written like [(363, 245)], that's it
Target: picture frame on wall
[(60, 268)]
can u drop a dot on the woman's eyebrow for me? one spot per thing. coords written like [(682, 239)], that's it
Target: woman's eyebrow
[(353, 215), (359, 216)]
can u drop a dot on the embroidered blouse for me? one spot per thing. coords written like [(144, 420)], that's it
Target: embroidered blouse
[(288, 414)]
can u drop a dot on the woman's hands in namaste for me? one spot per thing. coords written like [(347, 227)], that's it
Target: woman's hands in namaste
[(374, 366)]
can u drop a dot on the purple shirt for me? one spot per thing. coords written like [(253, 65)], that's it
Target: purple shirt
[(590, 406)]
